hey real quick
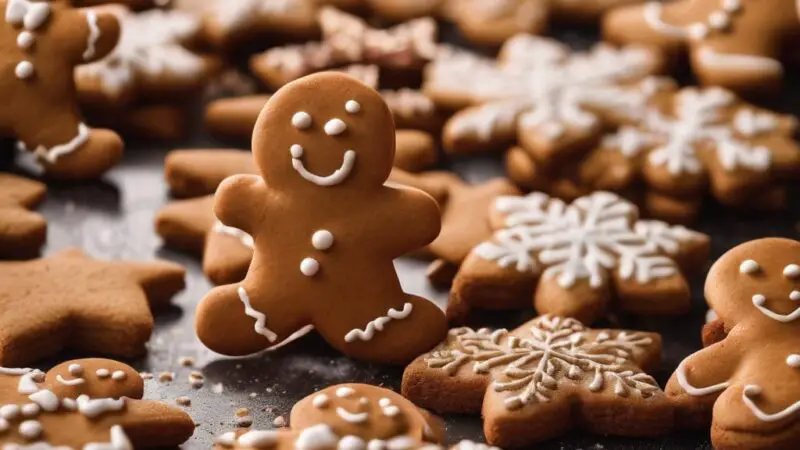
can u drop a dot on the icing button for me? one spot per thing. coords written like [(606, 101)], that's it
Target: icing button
[(309, 267), (322, 240), (301, 120)]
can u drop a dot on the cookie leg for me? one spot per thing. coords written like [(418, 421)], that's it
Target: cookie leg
[(22, 233), (101, 150)]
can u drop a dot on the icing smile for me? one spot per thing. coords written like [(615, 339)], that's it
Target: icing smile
[(759, 301), (337, 177), (347, 416)]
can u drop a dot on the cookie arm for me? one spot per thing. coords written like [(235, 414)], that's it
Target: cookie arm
[(240, 202), (420, 216), (99, 32)]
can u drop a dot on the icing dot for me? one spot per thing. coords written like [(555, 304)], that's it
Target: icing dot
[(119, 375), (309, 267), (103, 373), (794, 296), (31, 410), (30, 429), (793, 361), (698, 31), (69, 404), (363, 401), (752, 390), (25, 40), (3, 425), (24, 70), (759, 300), (9, 411), (719, 20), (352, 106), (351, 442), (791, 271), (384, 402), (296, 151), (391, 411), (320, 401), (335, 127), (75, 370), (344, 392), (749, 267), (301, 120), (322, 240), (731, 5)]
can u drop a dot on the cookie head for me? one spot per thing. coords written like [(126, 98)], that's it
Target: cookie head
[(762, 274), (322, 132), (95, 377)]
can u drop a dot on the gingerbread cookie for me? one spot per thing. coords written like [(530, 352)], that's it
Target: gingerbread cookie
[(72, 301), (42, 42), (347, 416), (150, 62), (748, 382), (133, 4), (86, 403), (335, 200), (539, 93), (578, 260), (22, 232), (543, 379), (736, 44)]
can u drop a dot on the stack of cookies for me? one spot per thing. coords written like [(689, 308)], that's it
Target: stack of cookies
[(555, 194)]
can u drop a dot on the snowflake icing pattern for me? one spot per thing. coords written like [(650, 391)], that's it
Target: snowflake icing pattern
[(557, 351)]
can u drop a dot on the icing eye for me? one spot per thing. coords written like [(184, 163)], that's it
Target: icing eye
[(75, 370), (321, 401), (344, 392), (749, 267), (352, 106), (301, 120), (297, 151), (759, 300), (795, 296), (363, 401), (335, 127), (792, 271)]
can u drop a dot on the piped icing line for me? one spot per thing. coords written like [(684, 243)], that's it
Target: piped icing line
[(350, 417), (652, 16), (377, 324), (337, 177), (754, 390), (738, 61), (94, 35), (242, 236), (72, 382), (118, 441), (51, 155), (14, 372), (695, 391), (261, 319), (27, 383), (759, 301), (92, 408), (46, 400)]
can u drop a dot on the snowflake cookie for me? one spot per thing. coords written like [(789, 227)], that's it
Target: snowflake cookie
[(578, 260), (538, 93), (544, 378), (748, 381), (736, 44), (683, 143), (85, 404)]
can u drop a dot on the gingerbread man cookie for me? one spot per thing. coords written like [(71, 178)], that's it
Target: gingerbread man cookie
[(87, 403), (736, 44), (748, 383), (321, 188), (22, 232), (578, 260), (75, 302), (543, 379), (42, 42)]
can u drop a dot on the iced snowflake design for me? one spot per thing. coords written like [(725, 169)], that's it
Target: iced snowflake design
[(235, 14), (540, 85), (556, 351), (700, 120), (584, 240)]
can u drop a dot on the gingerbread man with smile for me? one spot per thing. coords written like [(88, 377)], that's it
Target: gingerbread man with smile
[(326, 230)]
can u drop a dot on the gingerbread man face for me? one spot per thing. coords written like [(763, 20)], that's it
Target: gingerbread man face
[(324, 131)]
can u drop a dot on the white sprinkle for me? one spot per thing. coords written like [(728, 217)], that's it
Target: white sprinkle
[(352, 106), (335, 127), (301, 120)]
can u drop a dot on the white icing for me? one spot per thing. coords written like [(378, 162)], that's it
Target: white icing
[(309, 267), (72, 382), (717, 20), (652, 16), (69, 404), (363, 401), (226, 439), (318, 437), (75, 370), (335, 127), (301, 120), (391, 411), (320, 401), (337, 177), (24, 70), (695, 391), (51, 155), (345, 392), (31, 410), (9, 412), (260, 326), (760, 301), (352, 107), (753, 390), (351, 417), (94, 35), (793, 361), (29, 14), (102, 373), (296, 150), (241, 235), (25, 40), (794, 296), (27, 382), (92, 408), (351, 443), (736, 61), (30, 429), (322, 240), (377, 324), (118, 441), (711, 315), (119, 375), (791, 271), (749, 267), (46, 399), (4, 425), (14, 371), (258, 438), (232, 15)]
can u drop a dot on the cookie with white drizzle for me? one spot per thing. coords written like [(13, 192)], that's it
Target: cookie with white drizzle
[(82, 403), (353, 416), (42, 42), (747, 383), (321, 188), (543, 379), (736, 44), (578, 260)]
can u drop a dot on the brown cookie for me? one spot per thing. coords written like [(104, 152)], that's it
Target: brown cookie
[(43, 42), (335, 200), (543, 379), (22, 232), (86, 403), (72, 301), (736, 44), (347, 415), (748, 384), (158, 122), (578, 260)]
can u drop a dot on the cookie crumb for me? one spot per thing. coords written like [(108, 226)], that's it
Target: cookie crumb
[(244, 422), (242, 412), (184, 401), (196, 379), (186, 361), (253, 395), (166, 377), (217, 388), (279, 422), (146, 375)]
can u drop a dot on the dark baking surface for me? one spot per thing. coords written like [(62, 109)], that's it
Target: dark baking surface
[(114, 219)]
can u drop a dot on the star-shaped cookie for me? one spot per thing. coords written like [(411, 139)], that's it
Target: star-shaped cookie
[(72, 301), (22, 232)]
